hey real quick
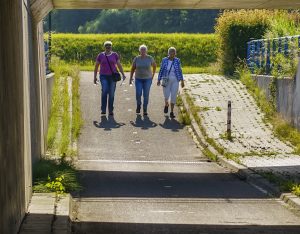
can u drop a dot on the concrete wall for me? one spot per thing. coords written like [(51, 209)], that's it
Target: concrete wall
[(23, 107), (13, 89), (287, 96)]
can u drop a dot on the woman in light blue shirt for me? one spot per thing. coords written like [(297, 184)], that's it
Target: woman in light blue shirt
[(169, 76)]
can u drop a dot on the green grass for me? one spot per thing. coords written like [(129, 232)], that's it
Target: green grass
[(45, 171), (61, 120), (210, 69), (76, 111), (54, 115), (281, 128), (209, 154), (218, 108), (194, 111), (66, 128), (184, 117)]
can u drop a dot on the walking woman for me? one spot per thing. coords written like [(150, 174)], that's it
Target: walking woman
[(108, 62), (169, 76), (141, 66)]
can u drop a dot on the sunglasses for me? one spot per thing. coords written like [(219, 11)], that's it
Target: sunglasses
[(107, 46)]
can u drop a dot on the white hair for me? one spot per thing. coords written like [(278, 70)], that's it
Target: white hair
[(107, 43), (171, 49), (143, 47)]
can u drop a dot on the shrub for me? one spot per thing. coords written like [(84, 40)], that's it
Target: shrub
[(192, 49), (234, 29)]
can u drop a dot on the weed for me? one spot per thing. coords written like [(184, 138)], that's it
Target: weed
[(282, 129), (184, 117), (296, 189), (55, 176), (204, 108), (209, 154)]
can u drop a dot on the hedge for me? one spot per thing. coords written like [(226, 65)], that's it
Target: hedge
[(235, 28), (192, 49)]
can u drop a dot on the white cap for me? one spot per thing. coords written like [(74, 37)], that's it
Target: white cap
[(107, 43)]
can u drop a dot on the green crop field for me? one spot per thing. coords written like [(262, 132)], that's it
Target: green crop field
[(194, 50)]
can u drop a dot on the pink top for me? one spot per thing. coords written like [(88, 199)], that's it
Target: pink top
[(104, 67)]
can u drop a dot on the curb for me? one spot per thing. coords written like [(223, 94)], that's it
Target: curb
[(241, 171)]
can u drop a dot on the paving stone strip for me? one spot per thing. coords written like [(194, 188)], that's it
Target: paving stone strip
[(47, 213), (252, 138)]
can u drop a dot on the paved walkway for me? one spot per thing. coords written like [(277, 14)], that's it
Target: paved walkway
[(146, 175), (252, 137)]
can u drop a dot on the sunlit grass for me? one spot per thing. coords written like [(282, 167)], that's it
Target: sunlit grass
[(281, 128), (213, 69), (64, 126)]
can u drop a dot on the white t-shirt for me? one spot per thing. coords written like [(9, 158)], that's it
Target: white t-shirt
[(172, 72)]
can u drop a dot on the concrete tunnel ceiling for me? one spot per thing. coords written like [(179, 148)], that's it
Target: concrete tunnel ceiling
[(40, 8), (176, 4)]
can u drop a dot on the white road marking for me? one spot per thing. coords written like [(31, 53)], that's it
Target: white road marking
[(163, 211), (137, 161)]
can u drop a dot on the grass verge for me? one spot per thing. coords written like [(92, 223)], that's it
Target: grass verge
[(64, 126), (213, 68), (281, 128), (57, 176)]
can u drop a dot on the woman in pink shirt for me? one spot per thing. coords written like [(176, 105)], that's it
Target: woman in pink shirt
[(104, 59)]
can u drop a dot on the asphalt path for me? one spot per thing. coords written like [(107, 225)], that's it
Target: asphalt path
[(145, 174)]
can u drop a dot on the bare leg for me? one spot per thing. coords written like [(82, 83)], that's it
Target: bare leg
[(172, 107), (166, 103)]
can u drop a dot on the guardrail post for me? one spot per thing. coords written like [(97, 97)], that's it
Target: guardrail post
[(286, 46), (268, 65), (229, 120)]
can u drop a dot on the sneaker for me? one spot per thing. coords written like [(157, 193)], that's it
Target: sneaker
[(166, 109), (172, 115), (138, 109)]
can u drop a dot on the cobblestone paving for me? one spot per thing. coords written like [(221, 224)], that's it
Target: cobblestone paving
[(252, 137)]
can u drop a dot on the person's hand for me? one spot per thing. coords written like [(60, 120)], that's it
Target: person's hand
[(130, 81), (158, 83), (182, 84)]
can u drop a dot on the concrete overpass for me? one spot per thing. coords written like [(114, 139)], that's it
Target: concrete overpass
[(23, 118)]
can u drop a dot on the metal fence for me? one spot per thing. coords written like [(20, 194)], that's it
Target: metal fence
[(47, 57), (260, 52)]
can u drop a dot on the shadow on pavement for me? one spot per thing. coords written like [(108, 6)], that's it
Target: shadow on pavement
[(147, 228), (171, 124), (107, 123), (143, 122), (165, 185)]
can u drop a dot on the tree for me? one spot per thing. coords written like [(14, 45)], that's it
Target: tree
[(68, 21)]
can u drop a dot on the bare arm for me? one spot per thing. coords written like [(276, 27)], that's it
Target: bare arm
[(120, 68), (95, 72), (153, 69), (133, 67)]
